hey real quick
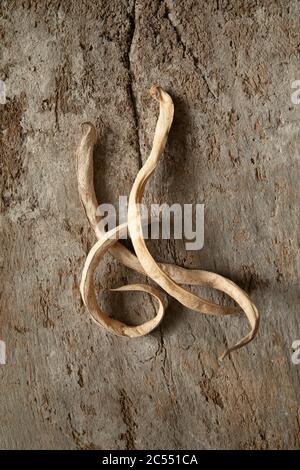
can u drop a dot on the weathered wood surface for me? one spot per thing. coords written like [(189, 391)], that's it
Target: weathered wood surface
[(234, 146)]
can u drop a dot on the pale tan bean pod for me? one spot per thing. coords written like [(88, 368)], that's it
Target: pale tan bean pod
[(166, 275), (87, 194), (89, 296), (151, 268)]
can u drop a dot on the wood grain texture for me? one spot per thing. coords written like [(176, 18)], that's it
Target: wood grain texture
[(234, 146)]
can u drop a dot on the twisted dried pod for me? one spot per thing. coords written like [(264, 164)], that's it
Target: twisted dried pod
[(88, 293), (167, 276), (120, 252)]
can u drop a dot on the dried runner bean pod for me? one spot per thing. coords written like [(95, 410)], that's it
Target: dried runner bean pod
[(167, 276)]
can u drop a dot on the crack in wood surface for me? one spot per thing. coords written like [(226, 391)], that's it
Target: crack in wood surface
[(133, 99), (127, 412), (188, 52)]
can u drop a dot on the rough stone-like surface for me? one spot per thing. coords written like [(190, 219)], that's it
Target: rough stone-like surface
[(234, 145)]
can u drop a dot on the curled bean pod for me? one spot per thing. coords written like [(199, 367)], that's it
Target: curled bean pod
[(120, 252), (89, 297), (167, 276)]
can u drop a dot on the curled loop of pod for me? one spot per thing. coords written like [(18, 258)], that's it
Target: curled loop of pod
[(167, 276), (89, 297)]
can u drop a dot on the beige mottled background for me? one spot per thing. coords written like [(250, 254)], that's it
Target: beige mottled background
[(234, 146)]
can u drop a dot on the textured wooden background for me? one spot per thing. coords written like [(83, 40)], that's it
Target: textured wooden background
[(234, 146)]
